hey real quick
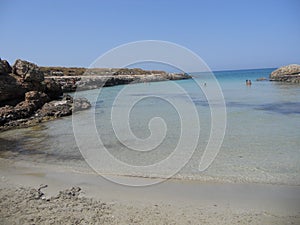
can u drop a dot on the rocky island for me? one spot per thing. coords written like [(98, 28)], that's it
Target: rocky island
[(289, 73), (30, 94)]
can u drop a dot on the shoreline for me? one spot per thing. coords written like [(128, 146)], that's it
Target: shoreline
[(88, 82), (30, 94), (274, 204)]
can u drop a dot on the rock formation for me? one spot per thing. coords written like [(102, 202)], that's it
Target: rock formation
[(30, 94), (75, 83), (290, 73), (27, 98), (63, 107), (28, 71), (21, 78)]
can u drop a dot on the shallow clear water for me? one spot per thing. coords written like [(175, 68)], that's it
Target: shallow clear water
[(261, 142)]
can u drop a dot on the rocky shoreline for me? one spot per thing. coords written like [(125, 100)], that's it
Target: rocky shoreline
[(27, 98), (74, 80), (30, 94)]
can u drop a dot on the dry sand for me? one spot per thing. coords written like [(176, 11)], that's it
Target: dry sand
[(99, 201)]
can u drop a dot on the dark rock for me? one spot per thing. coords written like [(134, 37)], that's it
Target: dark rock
[(11, 91), (35, 95), (52, 88), (26, 77), (37, 98), (33, 101), (28, 71), (25, 96), (5, 68), (290, 73)]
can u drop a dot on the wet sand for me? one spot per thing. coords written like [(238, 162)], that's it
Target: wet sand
[(103, 202)]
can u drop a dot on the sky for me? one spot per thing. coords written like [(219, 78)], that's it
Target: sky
[(227, 34)]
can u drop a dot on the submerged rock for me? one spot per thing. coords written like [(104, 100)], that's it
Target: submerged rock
[(290, 73)]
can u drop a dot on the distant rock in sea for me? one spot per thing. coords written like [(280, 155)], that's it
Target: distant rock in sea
[(290, 73)]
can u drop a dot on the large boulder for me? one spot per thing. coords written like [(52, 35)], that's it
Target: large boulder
[(290, 73), (28, 71)]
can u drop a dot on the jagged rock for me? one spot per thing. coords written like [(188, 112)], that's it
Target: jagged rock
[(11, 91), (5, 68), (25, 96), (64, 107), (28, 71), (37, 98), (290, 73), (33, 101), (55, 109), (81, 104), (52, 88), (26, 77), (35, 95)]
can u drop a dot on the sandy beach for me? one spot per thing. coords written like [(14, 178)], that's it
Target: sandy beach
[(99, 201), (149, 112)]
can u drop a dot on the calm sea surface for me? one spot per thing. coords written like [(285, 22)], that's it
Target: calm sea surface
[(261, 144)]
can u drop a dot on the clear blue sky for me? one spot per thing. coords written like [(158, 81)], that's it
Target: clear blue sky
[(226, 34)]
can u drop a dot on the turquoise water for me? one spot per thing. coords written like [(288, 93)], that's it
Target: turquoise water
[(261, 142)]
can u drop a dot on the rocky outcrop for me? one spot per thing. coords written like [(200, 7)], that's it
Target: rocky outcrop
[(26, 98), (78, 83), (21, 78), (64, 107), (33, 101), (36, 109), (28, 71), (290, 73)]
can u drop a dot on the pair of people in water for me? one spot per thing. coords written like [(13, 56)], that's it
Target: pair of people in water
[(248, 82)]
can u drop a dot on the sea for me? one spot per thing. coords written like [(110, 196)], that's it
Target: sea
[(260, 142)]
